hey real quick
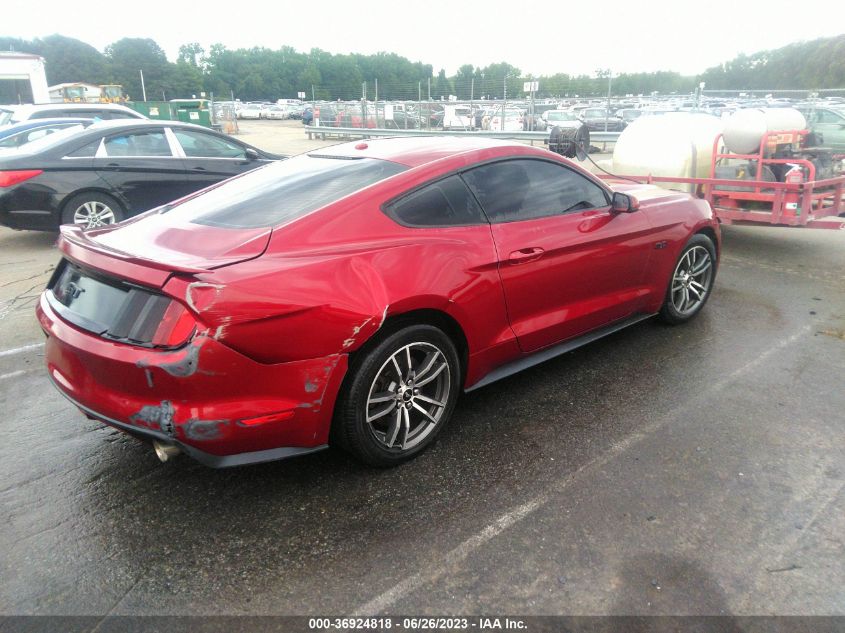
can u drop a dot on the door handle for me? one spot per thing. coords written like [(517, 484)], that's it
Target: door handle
[(198, 169), (524, 255)]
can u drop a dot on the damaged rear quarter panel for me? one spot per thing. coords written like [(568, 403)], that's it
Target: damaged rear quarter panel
[(321, 289)]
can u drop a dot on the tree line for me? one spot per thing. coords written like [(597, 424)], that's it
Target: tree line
[(263, 73)]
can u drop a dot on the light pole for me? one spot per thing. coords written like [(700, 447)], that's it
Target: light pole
[(601, 73)]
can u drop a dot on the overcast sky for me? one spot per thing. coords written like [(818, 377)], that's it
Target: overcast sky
[(541, 37)]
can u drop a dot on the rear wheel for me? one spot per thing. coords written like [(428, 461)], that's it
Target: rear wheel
[(691, 282), (92, 209), (398, 396)]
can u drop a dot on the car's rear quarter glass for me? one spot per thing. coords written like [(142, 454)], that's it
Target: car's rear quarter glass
[(446, 202), (283, 191)]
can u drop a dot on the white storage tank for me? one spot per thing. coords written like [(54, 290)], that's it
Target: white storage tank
[(745, 128), (675, 144)]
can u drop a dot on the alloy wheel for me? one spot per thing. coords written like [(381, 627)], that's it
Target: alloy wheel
[(409, 395), (93, 214), (691, 280)]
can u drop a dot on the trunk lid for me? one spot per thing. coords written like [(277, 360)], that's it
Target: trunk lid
[(153, 246)]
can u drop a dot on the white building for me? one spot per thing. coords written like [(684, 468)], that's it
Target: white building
[(28, 68)]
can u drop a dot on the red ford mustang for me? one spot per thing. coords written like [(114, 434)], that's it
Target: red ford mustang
[(348, 295)]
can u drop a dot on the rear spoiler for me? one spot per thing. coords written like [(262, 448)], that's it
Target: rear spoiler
[(78, 246)]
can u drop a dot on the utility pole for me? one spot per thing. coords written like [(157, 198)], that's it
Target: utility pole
[(376, 101), (471, 98), (606, 72), (505, 99), (419, 101), (364, 106), (143, 88)]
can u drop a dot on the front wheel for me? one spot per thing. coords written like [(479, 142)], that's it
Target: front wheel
[(398, 396), (691, 282)]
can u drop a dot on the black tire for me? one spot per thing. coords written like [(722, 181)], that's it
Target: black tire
[(368, 376), (94, 200), (691, 259)]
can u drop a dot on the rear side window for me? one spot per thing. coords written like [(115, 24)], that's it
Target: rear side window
[(446, 202), (525, 189), (86, 151), (283, 191)]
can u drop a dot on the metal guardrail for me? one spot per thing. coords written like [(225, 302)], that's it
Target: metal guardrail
[(322, 131)]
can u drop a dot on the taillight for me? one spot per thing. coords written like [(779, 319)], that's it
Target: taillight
[(9, 178), (175, 327)]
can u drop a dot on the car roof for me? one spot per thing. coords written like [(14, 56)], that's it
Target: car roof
[(72, 106), (29, 123), (413, 151), (105, 126)]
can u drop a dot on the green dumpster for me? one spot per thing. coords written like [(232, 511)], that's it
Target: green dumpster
[(193, 111), (163, 110)]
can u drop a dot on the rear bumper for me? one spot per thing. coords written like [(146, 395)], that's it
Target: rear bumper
[(220, 407)]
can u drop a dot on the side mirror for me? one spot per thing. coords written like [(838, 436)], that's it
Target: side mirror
[(251, 154), (623, 203)]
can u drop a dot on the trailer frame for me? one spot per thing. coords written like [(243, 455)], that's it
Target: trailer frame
[(809, 203)]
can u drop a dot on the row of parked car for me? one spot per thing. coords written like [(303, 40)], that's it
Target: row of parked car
[(826, 117), (262, 110), (97, 164)]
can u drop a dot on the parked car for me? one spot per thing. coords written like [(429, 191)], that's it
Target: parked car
[(251, 111), (18, 134), (457, 117), (601, 119), (402, 120), (114, 169), (828, 124), (512, 120), (628, 115), (348, 296), (276, 112), (562, 118), (98, 111)]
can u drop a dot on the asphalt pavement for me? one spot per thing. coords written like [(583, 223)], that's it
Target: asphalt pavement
[(697, 469)]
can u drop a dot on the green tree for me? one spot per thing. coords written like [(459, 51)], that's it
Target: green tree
[(129, 56)]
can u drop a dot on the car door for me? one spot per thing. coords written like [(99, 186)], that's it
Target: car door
[(141, 168), (209, 158), (568, 264)]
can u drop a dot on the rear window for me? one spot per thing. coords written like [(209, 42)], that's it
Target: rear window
[(283, 191)]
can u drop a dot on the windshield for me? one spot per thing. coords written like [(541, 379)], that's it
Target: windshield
[(283, 191), (560, 116), (594, 113)]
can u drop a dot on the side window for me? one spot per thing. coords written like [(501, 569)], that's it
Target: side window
[(86, 151), (199, 145), (446, 202), (152, 143), (826, 116), (524, 189)]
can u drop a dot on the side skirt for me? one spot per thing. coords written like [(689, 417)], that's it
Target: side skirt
[(541, 356)]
